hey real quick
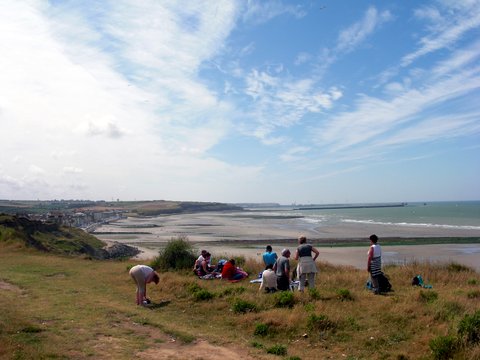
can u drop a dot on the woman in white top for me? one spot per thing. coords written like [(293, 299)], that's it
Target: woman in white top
[(269, 280), (142, 275), (374, 261)]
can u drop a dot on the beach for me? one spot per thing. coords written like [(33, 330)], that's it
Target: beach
[(247, 233)]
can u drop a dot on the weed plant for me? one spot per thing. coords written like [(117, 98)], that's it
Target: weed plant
[(443, 347), (284, 299), (242, 306), (280, 350)]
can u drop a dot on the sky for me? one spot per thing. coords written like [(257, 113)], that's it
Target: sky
[(304, 102)]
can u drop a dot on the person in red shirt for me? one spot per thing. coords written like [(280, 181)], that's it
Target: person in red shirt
[(231, 272)]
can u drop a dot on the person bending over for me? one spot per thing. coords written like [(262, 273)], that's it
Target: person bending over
[(142, 275)]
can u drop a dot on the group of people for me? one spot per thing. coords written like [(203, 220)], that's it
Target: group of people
[(225, 269), (276, 276)]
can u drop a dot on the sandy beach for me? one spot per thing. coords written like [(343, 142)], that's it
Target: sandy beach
[(247, 233)]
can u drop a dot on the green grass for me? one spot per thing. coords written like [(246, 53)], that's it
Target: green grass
[(62, 307)]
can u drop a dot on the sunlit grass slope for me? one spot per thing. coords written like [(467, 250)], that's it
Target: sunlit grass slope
[(59, 307)]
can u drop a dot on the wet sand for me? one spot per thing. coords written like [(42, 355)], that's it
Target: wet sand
[(244, 233)]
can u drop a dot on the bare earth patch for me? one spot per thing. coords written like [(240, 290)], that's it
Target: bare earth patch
[(199, 350), (9, 287), (163, 346)]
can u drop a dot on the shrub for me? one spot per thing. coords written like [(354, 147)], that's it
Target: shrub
[(427, 296), (309, 307), (261, 329), (293, 358), (472, 282), (345, 295), (469, 328), (443, 347), (474, 294), (455, 267), (284, 299), (193, 287), (177, 254), (319, 323), (257, 345), (241, 306), (280, 350), (203, 294)]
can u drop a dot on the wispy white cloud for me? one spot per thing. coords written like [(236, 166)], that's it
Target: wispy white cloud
[(351, 37), (294, 154), (281, 101), (374, 117), (260, 12), (444, 28)]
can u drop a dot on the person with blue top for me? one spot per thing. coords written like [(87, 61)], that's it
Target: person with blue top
[(269, 257)]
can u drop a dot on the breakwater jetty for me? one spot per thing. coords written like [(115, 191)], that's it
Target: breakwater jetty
[(347, 206)]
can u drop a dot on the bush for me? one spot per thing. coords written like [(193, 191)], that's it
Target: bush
[(319, 323), (455, 267), (257, 345), (203, 294), (472, 282), (474, 294), (177, 254), (193, 288), (280, 350), (241, 306), (284, 299), (469, 328), (443, 347), (345, 295), (427, 296), (261, 330)]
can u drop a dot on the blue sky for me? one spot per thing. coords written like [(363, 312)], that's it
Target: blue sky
[(240, 101)]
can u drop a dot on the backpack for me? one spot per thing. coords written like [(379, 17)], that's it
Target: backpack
[(417, 281), (383, 283)]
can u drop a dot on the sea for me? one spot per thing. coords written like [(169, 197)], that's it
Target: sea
[(454, 215)]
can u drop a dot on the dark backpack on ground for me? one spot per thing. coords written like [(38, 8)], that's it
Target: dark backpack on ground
[(383, 284)]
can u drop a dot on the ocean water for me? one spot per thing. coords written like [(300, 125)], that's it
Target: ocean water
[(464, 215)]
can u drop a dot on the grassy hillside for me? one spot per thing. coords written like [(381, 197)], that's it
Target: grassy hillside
[(61, 307), (50, 237)]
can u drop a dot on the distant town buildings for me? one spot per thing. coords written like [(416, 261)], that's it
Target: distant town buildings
[(86, 220)]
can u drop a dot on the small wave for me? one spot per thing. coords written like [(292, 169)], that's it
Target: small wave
[(313, 219), (427, 225)]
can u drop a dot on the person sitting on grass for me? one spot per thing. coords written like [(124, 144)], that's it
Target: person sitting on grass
[(269, 257), (204, 268), (199, 261), (232, 273), (269, 280), (142, 275)]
